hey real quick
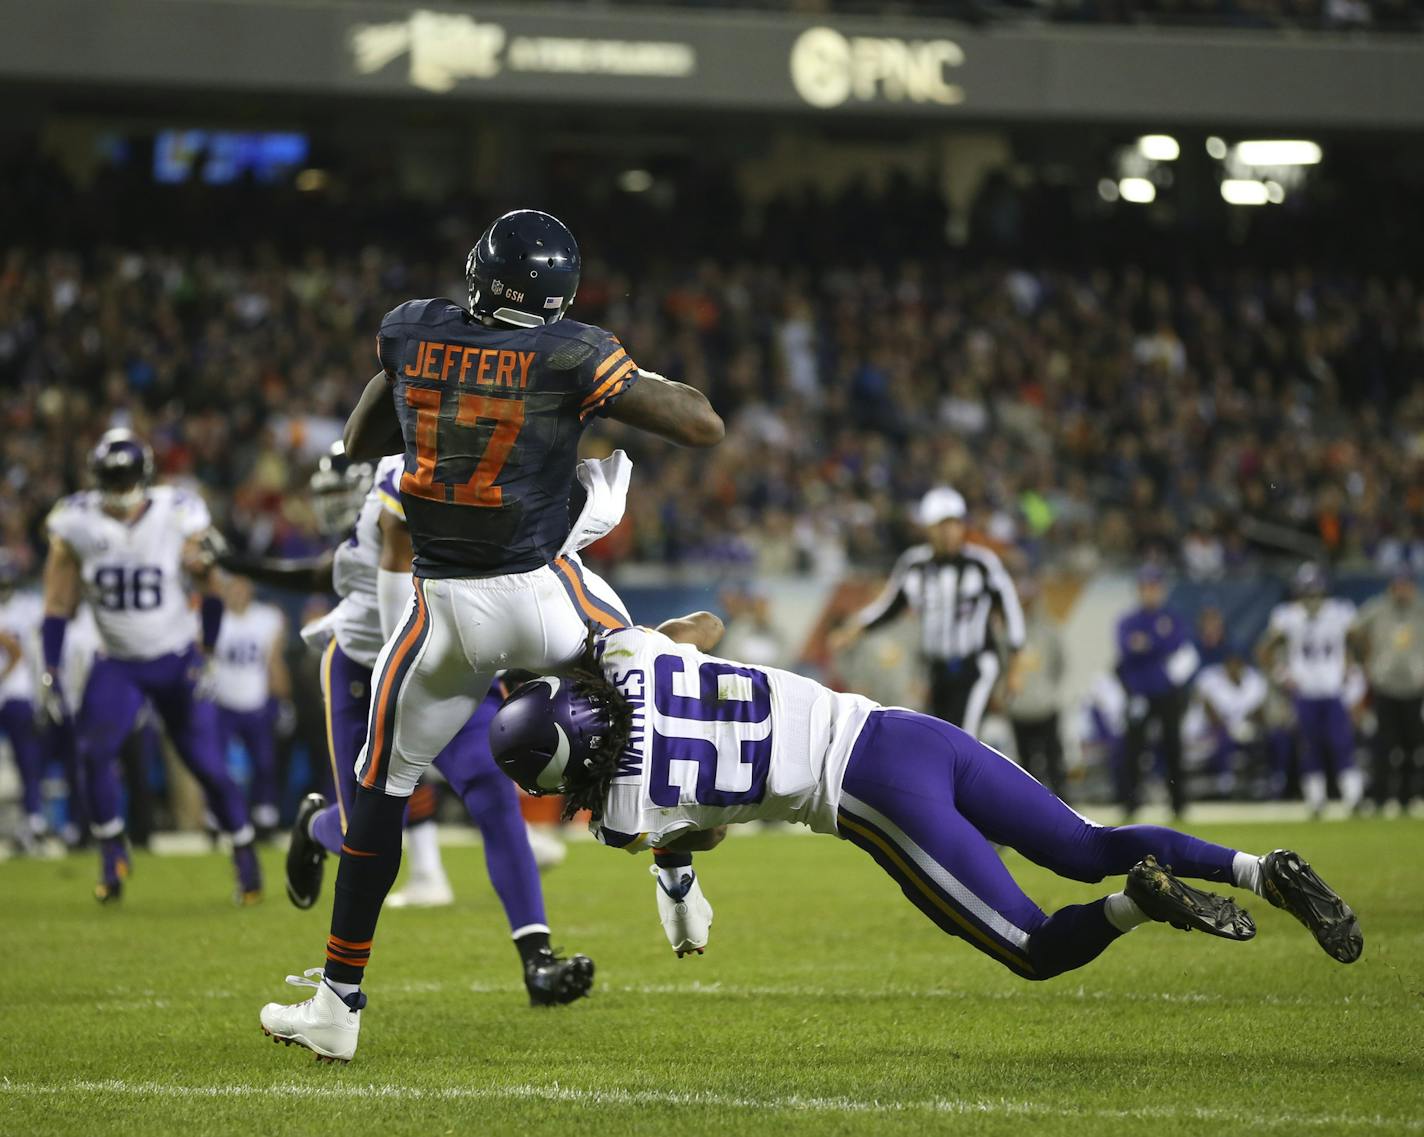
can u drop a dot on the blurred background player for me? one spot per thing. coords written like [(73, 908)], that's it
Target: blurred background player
[(488, 404), (923, 798), (1231, 696), (126, 547), (1033, 693), (370, 570), (1155, 662), (1388, 638), (956, 586), (20, 615), (250, 684), (1305, 645)]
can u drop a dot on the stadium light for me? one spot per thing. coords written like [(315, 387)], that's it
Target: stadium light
[(1278, 152), (1275, 192), (1158, 147), (1107, 189), (1139, 191), (312, 180), (635, 181), (1244, 191), (1216, 147)]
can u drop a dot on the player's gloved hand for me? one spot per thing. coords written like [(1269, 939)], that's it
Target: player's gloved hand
[(51, 708), (684, 911)]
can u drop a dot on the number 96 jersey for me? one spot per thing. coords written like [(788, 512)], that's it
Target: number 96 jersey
[(715, 742), (132, 573)]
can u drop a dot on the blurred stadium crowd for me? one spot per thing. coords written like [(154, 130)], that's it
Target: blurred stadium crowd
[(1090, 411)]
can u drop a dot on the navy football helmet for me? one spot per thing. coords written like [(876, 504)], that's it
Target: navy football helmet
[(122, 467), (524, 270), (338, 487), (549, 731)]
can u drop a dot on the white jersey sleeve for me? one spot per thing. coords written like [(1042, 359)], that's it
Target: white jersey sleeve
[(715, 742)]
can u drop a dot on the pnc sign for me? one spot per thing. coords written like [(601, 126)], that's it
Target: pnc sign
[(829, 69)]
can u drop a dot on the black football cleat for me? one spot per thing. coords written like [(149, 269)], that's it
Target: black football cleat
[(306, 858), (552, 980), (1290, 883), (1161, 896)]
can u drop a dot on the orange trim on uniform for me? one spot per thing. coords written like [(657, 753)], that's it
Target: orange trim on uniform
[(390, 679), (596, 615), (345, 848), (608, 361), (611, 382), (364, 945)]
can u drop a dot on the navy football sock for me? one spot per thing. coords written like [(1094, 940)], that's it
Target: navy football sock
[(370, 860), (1074, 935)]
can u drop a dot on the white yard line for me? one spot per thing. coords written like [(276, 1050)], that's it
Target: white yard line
[(1251, 1117)]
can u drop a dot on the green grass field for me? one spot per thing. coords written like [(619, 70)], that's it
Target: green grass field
[(825, 1004)]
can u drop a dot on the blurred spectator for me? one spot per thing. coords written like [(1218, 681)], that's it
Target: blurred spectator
[(1155, 662), (1388, 637), (1210, 642), (1033, 693), (750, 635)]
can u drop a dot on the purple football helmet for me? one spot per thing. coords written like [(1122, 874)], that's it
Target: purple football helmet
[(545, 729), (122, 466)]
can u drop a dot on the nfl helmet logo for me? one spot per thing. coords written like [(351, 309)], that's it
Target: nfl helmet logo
[(497, 287)]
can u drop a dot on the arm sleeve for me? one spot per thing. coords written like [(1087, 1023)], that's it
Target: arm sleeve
[(892, 599), (1008, 598), (605, 376)]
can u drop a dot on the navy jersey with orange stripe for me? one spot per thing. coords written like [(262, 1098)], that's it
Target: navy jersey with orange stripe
[(491, 418)]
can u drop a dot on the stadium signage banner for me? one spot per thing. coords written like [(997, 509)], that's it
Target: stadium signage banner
[(733, 60)]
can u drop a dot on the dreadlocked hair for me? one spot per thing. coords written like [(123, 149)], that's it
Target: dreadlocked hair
[(587, 786)]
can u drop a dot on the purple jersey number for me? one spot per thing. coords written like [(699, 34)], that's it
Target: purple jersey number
[(707, 707)]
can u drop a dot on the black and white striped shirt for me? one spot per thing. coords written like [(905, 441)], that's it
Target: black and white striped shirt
[(955, 596)]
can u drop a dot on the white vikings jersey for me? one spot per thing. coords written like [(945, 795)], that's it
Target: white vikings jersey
[(1234, 702), (20, 617), (1315, 645), (133, 572), (715, 742), (356, 621), (242, 654)]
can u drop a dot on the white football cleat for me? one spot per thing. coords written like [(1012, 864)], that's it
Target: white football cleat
[(685, 913), (548, 847), (424, 891), (325, 1024)]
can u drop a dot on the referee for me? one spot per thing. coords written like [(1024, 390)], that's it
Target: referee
[(955, 586)]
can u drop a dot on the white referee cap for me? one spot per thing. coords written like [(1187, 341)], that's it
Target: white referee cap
[(941, 504)]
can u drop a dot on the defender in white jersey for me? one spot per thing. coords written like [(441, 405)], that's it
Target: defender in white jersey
[(667, 745), (1312, 630), (128, 548), (249, 681), (20, 614)]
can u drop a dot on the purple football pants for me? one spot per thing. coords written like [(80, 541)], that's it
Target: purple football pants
[(113, 696), (489, 796), (929, 803), (17, 723), (1323, 727), (254, 730)]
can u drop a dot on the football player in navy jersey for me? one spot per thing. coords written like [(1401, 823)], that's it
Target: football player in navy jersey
[(487, 404)]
